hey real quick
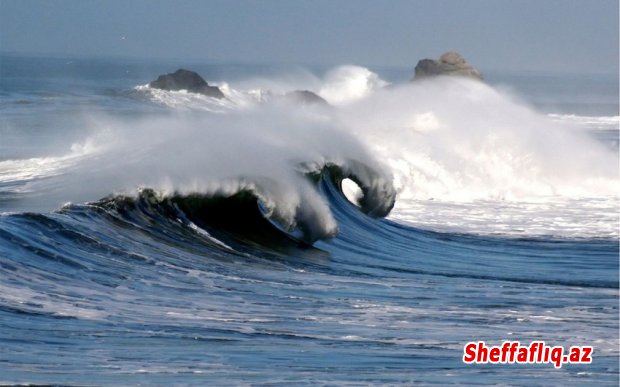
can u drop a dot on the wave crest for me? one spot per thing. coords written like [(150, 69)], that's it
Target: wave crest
[(259, 210)]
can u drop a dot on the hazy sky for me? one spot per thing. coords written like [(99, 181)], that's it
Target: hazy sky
[(556, 35)]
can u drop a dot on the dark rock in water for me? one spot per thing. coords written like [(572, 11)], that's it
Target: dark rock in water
[(186, 80), (450, 63), (305, 97)]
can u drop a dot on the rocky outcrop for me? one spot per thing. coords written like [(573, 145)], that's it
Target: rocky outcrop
[(450, 63), (305, 97), (186, 80)]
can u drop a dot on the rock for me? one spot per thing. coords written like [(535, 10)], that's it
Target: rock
[(450, 63), (186, 80), (305, 97)]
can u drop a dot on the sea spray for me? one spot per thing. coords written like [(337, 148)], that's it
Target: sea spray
[(459, 139), (462, 154), (468, 157), (268, 151)]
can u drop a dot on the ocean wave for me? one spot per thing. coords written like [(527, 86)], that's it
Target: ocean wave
[(252, 239), (216, 155), (345, 84), (137, 272), (589, 122), (182, 99), (249, 209), (341, 85), (461, 140), (447, 141)]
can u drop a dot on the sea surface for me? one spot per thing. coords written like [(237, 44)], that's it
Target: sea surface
[(168, 238)]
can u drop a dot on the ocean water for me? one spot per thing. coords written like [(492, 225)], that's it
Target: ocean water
[(168, 238)]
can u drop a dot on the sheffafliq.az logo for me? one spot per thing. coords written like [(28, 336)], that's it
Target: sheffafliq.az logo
[(511, 352)]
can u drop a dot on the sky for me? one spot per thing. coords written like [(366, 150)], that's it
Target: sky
[(537, 35)]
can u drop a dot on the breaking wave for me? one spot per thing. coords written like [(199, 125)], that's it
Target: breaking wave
[(453, 151)]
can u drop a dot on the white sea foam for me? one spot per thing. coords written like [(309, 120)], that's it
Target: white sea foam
[(341, 85), (345, 84), (589, 122), (184, 100), (464, 156), (461, 140), (266, 151), (469, 158), (15, 174)]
